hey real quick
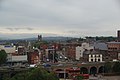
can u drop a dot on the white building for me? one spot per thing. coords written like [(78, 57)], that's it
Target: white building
[(95, 57), (81, 49), (12, 55), (22, 58), (8, 48)]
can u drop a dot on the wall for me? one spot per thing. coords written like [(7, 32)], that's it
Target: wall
[(19, 58)]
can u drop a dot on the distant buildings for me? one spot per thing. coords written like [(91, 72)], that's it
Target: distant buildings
[(25, 52)]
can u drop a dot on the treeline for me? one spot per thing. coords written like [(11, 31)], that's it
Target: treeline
[(33, 74), (102, 38), (112, 67), (97, 38)]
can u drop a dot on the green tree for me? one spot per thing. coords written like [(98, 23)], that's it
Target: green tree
[(41, 74), (108, 67), (19, 76), (3, 56), (116, 67), (79, 77), (37, 44), (35, 74)]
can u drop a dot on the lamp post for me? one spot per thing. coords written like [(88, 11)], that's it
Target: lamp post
[(64, 74), (64, 71), (53, 56)]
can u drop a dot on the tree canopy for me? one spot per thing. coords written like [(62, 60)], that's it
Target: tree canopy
[(116, 67), (3, 56), (35, 74)]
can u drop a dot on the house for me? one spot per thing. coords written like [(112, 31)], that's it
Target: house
[(92, 56)]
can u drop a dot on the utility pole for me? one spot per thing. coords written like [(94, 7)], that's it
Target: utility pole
[(53, 56), (64, 72)]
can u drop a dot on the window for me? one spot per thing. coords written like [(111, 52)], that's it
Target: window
[(92, 60), (99, 55), (95, 60), (91, 55), (98, 59)]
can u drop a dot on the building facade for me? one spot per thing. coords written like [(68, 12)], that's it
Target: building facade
[(113, 49), (80, 50), (95, 58)]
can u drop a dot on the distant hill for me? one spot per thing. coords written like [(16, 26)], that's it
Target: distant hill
[(44, 38), (57, 38), (52, 38)]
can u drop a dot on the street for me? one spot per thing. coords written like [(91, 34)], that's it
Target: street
[(104, 78)]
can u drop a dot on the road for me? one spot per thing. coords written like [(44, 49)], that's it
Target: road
[(104, 78)]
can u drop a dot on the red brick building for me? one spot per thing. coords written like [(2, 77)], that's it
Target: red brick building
[(113, 49), (33, 57), (69, 49)]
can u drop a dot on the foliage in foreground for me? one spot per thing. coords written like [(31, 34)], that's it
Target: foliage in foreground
[(3, 56), (35, 74), (112, 67), (79, 78)]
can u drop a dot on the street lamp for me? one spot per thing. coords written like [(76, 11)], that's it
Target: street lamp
[(64, 74), (64, 71), (53, 56)]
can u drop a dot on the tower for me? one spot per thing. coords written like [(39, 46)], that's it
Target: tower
[(39, 37), (118, 35)]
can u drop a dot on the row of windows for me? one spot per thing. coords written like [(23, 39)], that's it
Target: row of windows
[(113, 48), (95, 60), (95, 55)]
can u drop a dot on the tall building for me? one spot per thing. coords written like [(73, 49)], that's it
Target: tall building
[(118, 35)]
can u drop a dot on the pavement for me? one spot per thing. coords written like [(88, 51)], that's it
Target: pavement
[(65, 79), (100, 78), (104, 78)]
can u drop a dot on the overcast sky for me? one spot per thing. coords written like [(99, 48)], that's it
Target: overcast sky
[(59, 17)]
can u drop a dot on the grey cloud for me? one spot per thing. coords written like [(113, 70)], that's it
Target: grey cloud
[(10, 29), (84, 33), (25, 35), (14, 29), (29, 28), (64, 15)]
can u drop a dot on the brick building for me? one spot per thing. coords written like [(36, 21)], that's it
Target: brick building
[(33, 57), (69, 50), (113, 49)]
